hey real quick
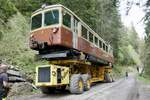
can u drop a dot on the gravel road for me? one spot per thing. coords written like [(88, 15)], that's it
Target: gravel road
[(123, 89)]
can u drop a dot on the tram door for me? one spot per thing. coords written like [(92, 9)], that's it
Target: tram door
[(75, 33)]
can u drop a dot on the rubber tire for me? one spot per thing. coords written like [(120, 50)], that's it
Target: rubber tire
[(86, 77), (107, 78), (74, 84), (47, 90)]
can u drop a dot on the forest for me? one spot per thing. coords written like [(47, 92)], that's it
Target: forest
[(146, 54), (101, 15)]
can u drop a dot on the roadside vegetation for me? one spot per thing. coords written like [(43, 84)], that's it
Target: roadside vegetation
[(146, 50), (100, 15), (145, 80)]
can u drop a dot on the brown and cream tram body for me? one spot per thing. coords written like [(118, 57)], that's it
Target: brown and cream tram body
[(56, 29)]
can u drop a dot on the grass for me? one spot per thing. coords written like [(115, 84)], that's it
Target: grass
[(38, 91), (143, 79)]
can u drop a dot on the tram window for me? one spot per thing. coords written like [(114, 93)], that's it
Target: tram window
[(100, 43), (36, 21), (91, 37), (106, 48), (96, 41), (103, 46), (51, 17), (84, 32), (66, 19)]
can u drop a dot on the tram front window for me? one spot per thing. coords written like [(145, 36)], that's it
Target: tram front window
[(51, 17), (36, 21)]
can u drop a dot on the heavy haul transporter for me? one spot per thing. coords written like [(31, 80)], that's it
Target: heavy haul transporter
[(77, 55)]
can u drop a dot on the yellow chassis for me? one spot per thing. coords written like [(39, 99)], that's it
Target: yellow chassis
[(67, 69)]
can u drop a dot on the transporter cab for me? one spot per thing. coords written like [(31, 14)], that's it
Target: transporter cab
[(77, 56)]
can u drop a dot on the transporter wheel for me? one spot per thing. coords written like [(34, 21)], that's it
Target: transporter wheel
[(47, 90), (107, 78), (76, 84), (86, 81)]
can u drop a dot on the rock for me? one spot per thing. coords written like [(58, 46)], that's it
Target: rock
[(16, 79), (15, 75), (12, 72), (22, 88)]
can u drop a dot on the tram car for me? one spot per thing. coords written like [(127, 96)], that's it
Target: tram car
[(57, 32)]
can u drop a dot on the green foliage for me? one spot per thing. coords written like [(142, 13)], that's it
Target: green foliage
[(145, 80), (147, 57), (133, 55), (133, 38), (26, 7), (14, 48), (119, 70), (146, 49), (7, 9), (127, 53), (147, 29)]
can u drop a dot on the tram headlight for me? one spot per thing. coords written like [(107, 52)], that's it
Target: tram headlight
[(55, 29)]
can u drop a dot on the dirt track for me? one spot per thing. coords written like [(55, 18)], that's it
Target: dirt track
[(123, 89)]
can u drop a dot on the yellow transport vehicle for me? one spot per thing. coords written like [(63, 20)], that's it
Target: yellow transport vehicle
[(77, 76)]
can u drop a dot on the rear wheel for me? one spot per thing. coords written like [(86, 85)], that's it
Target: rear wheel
[(86, 81), (76, 84), (107, 77)]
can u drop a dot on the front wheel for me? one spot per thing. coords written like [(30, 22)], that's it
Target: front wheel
[(76, 84)]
